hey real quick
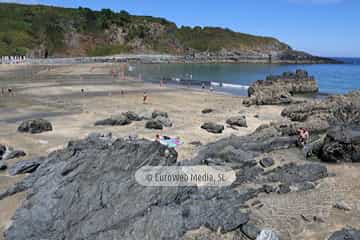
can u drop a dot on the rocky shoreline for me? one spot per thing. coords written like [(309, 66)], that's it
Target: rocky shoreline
[(228, 57), (87, 189)]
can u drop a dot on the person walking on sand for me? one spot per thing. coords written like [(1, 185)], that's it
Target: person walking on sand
[(145, 97)]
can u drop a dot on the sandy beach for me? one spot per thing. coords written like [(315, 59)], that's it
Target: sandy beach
[(54, 93)]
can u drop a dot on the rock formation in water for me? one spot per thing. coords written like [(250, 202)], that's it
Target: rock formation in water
[(279, 89)]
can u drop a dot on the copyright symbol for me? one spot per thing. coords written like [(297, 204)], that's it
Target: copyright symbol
[(148, 177)]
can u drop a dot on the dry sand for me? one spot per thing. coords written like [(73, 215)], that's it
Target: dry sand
[(59, 100)]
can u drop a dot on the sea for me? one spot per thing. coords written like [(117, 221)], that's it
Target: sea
[(236, 78)]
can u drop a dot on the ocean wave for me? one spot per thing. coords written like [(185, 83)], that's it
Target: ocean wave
[(229, 85)]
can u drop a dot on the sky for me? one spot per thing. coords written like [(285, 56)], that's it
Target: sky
[(328, 28)]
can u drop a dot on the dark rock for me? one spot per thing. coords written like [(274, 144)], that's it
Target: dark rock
[(266, 162), (346, 234), (26, 166), (35, 126), (2, 166), (158, 113), (132, 116), (164, 121), (268, 189), (207, 110), (213, 127), (305, 186), (341, 144), (119, 120), (2, 150), (292, 174), (145, 115), (154, 124), (342, 206), (239, 121), (284, 188), (250, 230), (11, 154), (91, 183), (256, 116), (279, 89), (335, 110), (196, 143)]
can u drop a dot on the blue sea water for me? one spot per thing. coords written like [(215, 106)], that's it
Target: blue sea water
[(332, 78)]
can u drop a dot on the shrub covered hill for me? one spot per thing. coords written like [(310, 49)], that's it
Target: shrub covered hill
[(46, 31)]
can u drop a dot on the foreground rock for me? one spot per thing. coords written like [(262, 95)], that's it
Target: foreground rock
[(213, 127), (119, 120), (2, 150), (346, 234), (26, 166), (239, 121), (154, 124), (207, 110), (91, 183), (35, 126), (7, 153), (279, 89), (3, 166)]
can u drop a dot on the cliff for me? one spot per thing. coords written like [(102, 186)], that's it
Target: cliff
[(45, 31)]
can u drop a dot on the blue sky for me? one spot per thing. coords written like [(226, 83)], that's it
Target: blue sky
[(321, 27)]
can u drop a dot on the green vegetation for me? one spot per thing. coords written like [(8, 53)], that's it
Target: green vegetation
[(65, 32)]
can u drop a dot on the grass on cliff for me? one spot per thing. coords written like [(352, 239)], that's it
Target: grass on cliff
[(28, 27)]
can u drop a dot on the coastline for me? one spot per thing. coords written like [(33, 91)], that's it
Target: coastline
[(166, 58)]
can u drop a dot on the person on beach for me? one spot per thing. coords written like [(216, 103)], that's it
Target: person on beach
[(145, 97), (10, 92), (2, 92), (202, 85), (303, 136)]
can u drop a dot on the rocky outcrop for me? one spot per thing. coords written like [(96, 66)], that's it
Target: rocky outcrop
[(346, 234), (11, 154), (266, 162), (26, 166), (119, 120), (239, 121), (35, 126), (91, 183), (3, 166), (279, 89), (157, 113), (341, 144), (207, 110), (336, 109), (154, 124), (213, 127), (2, 150)]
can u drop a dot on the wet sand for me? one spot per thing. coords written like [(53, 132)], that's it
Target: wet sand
[(56, 96)]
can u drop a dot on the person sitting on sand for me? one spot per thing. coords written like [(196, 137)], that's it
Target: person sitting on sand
[(145, 97)]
